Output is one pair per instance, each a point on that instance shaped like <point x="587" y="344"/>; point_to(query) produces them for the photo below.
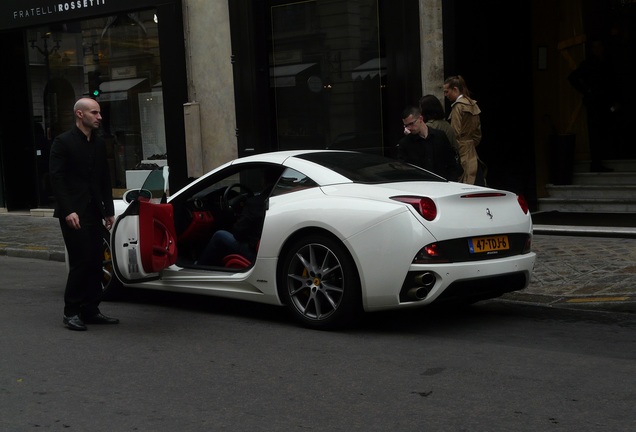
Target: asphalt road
<point x="187" y="363"/>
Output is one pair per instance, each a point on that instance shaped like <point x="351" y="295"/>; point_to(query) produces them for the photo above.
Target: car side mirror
<point x="136" y="194"/>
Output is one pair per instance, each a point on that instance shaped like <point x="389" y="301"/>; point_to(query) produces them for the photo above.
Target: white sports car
<point x="344" y="232"/>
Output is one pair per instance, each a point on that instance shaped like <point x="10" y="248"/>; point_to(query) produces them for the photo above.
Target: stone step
<point x="618" y="165"/>
<point x="595" y="192"/>
<point x="573" y="205"/>
<point x="41" y="212"/>
<point x="592" y="191"/>
<point x="609" y="178"/>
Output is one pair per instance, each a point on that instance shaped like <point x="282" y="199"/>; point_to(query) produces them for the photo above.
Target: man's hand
<point x="109" y="221"/>
<point x="72" y="220"/>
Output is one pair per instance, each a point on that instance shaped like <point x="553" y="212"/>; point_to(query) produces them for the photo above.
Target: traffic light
<point x="94" y="81"/>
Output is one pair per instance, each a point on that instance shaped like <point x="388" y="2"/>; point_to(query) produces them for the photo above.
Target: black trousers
<point x="84" y="246"/>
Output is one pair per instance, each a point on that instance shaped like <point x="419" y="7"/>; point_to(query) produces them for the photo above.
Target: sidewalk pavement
<point x="577" y="267"/>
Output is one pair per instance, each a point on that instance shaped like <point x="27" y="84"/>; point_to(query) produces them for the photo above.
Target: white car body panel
<point x="381" y="234"/>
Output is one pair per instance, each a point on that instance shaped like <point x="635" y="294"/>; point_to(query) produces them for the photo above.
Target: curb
<point x="585" y="231"/>
<point x="591" y="303"/>
<point x="34" y="253"/>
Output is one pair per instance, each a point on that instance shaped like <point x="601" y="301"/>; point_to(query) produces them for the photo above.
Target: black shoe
<point x="98" y="318"/>
<point x="74" y="322"/>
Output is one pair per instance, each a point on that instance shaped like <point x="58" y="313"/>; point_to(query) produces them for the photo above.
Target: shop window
<point x="327" y="74"/>
<point x="114" y="60"/>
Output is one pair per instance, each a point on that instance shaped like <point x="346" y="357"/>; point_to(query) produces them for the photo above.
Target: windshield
<point x="370" y="168"/>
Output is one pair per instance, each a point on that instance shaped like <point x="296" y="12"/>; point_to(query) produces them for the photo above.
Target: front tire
<point x="319" y="283"/>
<point x="111" y="286"/>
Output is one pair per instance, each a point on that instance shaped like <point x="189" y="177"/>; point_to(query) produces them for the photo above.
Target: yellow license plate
<point x="488" y="244"/>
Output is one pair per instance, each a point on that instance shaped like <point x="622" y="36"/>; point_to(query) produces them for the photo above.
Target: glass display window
<point x="116" y="61"/>
<point x="327" y="74"/>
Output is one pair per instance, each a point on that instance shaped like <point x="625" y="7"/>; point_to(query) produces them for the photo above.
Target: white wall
<point x="432" y="47"/>
<point x="210" y="80"/>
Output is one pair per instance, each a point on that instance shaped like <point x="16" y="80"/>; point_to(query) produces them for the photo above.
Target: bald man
<point x="80" y="179"/>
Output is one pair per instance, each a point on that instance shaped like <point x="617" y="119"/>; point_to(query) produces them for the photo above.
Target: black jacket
<point x="80" y="174"/>
<point x="433" y="153"/>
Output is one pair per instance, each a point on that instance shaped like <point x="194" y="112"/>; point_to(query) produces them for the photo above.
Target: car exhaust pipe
<point x="425" y="282"/>
<point x="426" y="279"/>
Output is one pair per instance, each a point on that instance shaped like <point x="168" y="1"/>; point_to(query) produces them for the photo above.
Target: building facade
<point x="195" y="83"/>
<point x="129" y="60"/>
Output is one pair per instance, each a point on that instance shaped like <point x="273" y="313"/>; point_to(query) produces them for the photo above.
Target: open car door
<point x="143" y="241"/>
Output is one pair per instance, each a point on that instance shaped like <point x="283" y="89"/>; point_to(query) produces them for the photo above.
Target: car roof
<point x="280" y="156"/>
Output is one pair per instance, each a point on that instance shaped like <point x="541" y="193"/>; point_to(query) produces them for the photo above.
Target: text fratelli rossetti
<point x="58" y="7"/>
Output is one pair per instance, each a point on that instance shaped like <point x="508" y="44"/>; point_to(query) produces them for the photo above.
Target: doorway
<point x="333" y="74"/>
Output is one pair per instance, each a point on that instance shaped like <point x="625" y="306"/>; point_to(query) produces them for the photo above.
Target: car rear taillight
<point x="527" y="247"/>
<point x="484" y="195"/>
<point x="430" y="254"/>
<point x="424" y="206"/>
<point x="523" y="203"/>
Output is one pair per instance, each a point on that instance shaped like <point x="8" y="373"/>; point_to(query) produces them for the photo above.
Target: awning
<point x="119" y="85"/>
<point x="285" y="75"/>
<point x="370" y="69"/>
<point x="288" y="70"/>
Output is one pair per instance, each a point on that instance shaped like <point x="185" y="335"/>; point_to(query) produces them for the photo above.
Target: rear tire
<point x="319" y="283"/>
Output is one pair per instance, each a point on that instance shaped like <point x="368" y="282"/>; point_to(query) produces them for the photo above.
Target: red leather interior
<point x="157" y="236"/>
<point x="201" y="227"/>
<point x="236" y="261"/>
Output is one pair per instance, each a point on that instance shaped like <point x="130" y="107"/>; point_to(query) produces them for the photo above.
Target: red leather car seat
<point x="238" y="261"/>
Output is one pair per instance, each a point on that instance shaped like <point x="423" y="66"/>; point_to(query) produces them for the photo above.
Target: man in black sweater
<point x="426" y="147"/>
<point x="80" y="179"/>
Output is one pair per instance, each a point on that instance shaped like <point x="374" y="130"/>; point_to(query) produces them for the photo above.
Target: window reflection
<point x="327" y="74"/>
<point x="115" y="60"/>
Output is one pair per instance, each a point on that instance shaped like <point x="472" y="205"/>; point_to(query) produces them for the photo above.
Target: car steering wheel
<point x="229" y="202"/>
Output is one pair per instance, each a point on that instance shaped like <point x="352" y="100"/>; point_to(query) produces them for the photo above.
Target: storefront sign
<point x="28" y="13"/>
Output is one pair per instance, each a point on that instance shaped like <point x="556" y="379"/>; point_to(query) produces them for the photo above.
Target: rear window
<point x="370" y="168"/>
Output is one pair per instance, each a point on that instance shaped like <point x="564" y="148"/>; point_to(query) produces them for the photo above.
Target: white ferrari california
<point x="344" y="233"/>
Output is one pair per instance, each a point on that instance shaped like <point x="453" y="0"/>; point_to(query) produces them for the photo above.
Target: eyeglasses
<point x="406" y="125"/>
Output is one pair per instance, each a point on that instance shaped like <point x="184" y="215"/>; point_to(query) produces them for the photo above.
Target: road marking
<point x="596" y="299"/>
